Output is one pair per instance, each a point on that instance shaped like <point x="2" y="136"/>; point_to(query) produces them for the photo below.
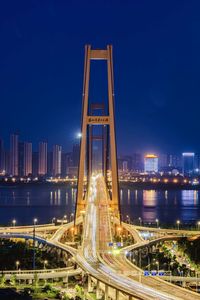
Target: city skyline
<point x="156" y="76"/>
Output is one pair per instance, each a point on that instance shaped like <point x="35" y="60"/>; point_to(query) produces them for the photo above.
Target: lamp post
<point x="34" y="225"/>
<point x="157" y="223"/>
<point x="14" y="222"/>
<point x="140" y="220"/>
<point x="178" y="224"/>
<point x="53" y="220"/>
<point x="71" y="217"/>
<point x="45" y="263"/>
<point x="128" y="219"/>
<point x="17" y="263"/>
<point x="64" y="218"/>
<point x="198" y="225"/>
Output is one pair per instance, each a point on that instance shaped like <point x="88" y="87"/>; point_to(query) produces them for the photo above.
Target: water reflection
<point x="189" y="197"/>
<point x="167" y="205"/>
<point x="149" y="203"/>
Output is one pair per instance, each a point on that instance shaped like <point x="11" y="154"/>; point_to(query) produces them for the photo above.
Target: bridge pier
<point x="106" y="292"/>
<point x="116" y="294"/>
<point x="98" y="291"/>
<point x="90" y="289"/>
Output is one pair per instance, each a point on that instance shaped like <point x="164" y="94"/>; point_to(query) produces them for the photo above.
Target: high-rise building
<point x="21" y="159"/>
<point x="66" y="162"/>
<point x="27" y="159"/>
<point x="125" y="166"/>
<point x="14" y="154"/>
<point x="57" y="151"/>
<point x="75" y="154"/>
<point x="151" y="163"/>
<point x="175" y="161"/>
<point x="42" y="167"/>
<point x="50" y="163"/>
<point x="7" y="162"/>
<point x="188" y="163"/>
<point x="2" y="158"/>
<point x="35" y="162"/>
<point x="137" y="162"/>
<point x="163" y="161"/>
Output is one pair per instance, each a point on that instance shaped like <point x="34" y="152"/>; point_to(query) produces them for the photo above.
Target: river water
<point x="43" y="202"/>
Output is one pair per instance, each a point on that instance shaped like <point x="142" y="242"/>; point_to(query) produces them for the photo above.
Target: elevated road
<point x="102" y="262"/>
<point x="105" y="264"/>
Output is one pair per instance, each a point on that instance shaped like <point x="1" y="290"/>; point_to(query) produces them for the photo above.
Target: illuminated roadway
<point x="105" y="264"/>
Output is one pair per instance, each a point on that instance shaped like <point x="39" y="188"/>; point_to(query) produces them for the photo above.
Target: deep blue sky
<point x="156" y="63"/>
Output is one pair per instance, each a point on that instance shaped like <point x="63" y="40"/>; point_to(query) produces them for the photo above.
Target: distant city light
<point x="151" y="163"/>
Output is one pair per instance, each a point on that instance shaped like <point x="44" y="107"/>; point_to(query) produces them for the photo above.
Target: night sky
<point x="156" y="65"/>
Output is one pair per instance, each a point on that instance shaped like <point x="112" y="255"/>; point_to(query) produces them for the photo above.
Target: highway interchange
<point x="102" y="262"/>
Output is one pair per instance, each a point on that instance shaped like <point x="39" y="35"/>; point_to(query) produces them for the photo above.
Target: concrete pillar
<point x="90" y="289"/>
<point x="106" y="292"/>
<point x="116" y="294"/>
<point x="129" y="297"/>
<point x="65" y="281"/>
<point x="183" y="284"/>
<point x="98" y="291"/>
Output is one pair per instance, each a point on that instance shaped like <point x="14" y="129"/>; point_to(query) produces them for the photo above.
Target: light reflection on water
<point x="44" y="202"/>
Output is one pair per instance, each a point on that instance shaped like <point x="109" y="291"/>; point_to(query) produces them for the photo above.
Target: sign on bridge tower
<point x="100" y="115"/>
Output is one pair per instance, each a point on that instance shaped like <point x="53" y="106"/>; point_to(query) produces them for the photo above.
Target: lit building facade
<point x="2" y="158"/>
<point x="188" y="163"/>
<point x="14" y="149"/>
<point x="151" y="163"/>
<point x="42" y="167"/>
<point x="27" y="159"/>
<point x="57" y="154"/>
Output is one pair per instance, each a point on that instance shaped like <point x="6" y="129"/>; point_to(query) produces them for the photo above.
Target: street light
<point x="140" y="220"/>
<point x="53" y="220"/>
<point x="128" y="219"/>
<point x="71" y="217"/>
<point x="178" y="224"/>
<point x="45" y="263"/>
<point x="158" y="265"/>
<point x="64" y="218"/>
<point x="198" y="225"/>
<point x="157" y="222"/>
<point x="34" y="225"/>
<point x="17" y="263"/>
<point x="14" y="222"/>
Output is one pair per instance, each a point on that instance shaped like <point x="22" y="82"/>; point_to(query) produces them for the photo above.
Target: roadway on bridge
<point x="101" y="262"/>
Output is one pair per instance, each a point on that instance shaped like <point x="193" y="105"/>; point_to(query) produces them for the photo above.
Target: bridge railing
<point x="36" y="271"/>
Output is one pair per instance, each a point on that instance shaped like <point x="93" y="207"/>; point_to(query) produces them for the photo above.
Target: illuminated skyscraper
<point x="14" y="149"/>
<point x="151" y="163"/>
<point x="188" y="163"/>
<point x="35" y="162"/>
<point x="125" y="166"/>
<point x="2" y="158"/>
<point x="27" y="159"/>
<point x="42" y="168"/>
<point x="57" y="151"/>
